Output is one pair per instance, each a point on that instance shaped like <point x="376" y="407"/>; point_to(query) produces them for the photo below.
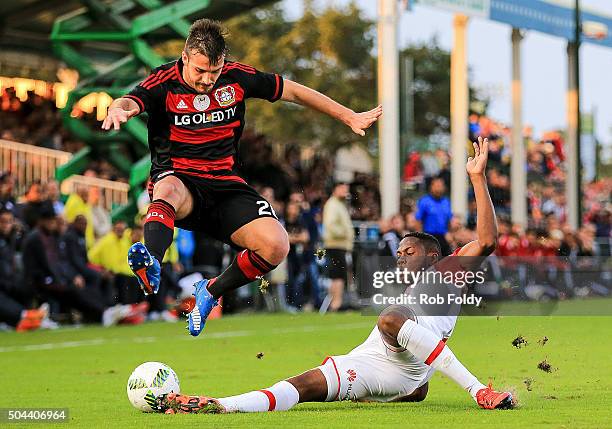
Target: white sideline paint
<point x="213" y="335"/>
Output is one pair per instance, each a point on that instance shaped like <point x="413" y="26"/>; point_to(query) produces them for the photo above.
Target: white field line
<point x="213" y="335"/>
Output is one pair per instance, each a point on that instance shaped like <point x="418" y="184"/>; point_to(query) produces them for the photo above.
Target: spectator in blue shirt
<point x="434" y="213"/>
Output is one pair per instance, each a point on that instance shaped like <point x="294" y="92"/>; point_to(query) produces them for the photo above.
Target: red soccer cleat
<point x="32" y="319"/>
<point x="28" y="324"/>
<point x="489" y="399"/>
<point x="175" y="403"/>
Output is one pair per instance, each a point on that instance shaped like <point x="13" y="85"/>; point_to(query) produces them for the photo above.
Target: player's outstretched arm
<point x="119" y="112"/>
<point x="358" y="122"/>
<point x="486" y="222"/>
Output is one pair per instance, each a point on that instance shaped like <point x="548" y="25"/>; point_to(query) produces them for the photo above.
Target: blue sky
<point x="544" y="64"/>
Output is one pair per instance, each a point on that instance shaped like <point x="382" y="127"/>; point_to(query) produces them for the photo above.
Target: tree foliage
<point x="331" y="50"/>
<point x="328" y="50"/>
<point x="431" y="88"/>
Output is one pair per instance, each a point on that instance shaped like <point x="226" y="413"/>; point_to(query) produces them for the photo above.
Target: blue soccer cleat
<point x="145" y="267"/>
<point x="203" y="306"/>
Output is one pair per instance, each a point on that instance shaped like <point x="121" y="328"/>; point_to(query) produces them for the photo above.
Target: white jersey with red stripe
<point x="441" y="326"/>
<point x="376" y="371"/>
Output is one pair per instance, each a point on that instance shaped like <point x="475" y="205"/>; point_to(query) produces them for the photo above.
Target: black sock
<point x="246" y="267"/>
<point x="159" y="228"/>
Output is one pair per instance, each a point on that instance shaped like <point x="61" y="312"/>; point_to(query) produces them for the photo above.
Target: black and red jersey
<point x="194" y="133"/>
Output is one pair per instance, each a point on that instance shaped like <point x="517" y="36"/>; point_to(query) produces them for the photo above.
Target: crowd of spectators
<point x="545" y="169"/>
<point x="35" y="121"/>
<point x="65" y="259"/>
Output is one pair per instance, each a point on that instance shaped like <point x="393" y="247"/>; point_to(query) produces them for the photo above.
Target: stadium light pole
<point x="388" y="95"/>
<point x="574" y="170"/>
<point x="459" y="117"/>
<point x="518" y="189"/>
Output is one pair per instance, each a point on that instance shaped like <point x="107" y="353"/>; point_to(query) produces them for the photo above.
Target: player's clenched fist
<point x="117" y="116"/>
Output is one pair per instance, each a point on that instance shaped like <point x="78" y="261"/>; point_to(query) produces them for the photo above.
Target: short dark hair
<point x="429" y="241"/>
<point x="435" y="179"/>
<point x="47" y="211"/>
<point x="207" y="37"/>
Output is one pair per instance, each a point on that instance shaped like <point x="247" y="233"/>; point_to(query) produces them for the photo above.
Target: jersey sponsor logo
<point x="181" y="105"/>
<point x="352" y="375"/>
<point x="201" y="102"/>
<point x="225" y="96"/>
<point x="205" y="118"/>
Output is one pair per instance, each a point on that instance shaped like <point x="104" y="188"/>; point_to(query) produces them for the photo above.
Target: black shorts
<point x="336" y="263"/>
<point x="220" y="207"/>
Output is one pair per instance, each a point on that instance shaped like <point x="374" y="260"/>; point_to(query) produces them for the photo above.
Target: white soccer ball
<point x="148" y="381"/>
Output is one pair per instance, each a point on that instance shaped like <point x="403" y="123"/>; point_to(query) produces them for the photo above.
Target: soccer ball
<point x="148" y="381"/>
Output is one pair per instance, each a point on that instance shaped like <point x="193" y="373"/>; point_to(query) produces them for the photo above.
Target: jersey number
<point x="266" y="209"/>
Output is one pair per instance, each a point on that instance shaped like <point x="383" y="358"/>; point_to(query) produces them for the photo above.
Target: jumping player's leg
<point x="171" y="201"/>
<point x="309" y="386"/>
<point x="398" y="328"/>
<point x="266" y="244"/>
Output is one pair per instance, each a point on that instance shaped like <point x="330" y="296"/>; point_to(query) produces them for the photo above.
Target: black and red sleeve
<point x="146" y="93"/>
<point x="257" y="84"/>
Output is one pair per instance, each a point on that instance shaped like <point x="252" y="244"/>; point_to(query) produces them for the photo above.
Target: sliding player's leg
<point x="309" y="386"/>
<point x="399" y="328"/>
<point x="366" y="375"/>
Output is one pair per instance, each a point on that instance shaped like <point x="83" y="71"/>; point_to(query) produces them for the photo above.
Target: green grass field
<point x="86" y="370"/>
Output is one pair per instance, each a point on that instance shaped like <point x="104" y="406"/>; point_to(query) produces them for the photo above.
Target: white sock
<point x="251" y="402"/>
<point x="424" y="344"/>
<point x="280" y="397"/>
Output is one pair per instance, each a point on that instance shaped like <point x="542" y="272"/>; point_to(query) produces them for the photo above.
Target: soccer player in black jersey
<point x="196" y="108"/>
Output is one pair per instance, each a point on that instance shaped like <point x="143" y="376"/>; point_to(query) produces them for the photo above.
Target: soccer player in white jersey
<point x="397" y="360"/>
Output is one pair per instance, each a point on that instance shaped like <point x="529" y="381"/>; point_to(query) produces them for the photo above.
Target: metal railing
<point x="112" y="194"/>
<point x="30" y="163"/>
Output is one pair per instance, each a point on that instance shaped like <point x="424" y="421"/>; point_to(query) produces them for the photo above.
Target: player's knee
<point x="392" y="319"/>
<point x="275" y="249"/>
<point x="170" y="191"/>
<point x="280" y="250"/>
<point x="390" y="324"/>
<point x="311" y="385"/>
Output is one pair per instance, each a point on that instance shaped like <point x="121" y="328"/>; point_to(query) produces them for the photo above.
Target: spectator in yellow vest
<point x="77" y="204"/>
